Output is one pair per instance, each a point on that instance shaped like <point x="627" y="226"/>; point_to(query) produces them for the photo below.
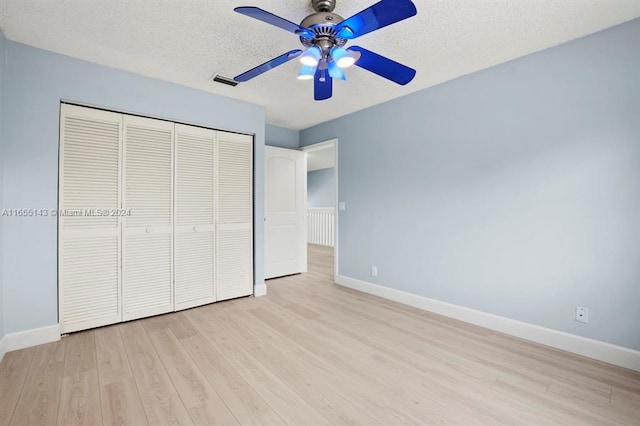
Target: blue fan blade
<point x="381" y="14"/>
<point x="384" y="67"/>
<point x="270" y="18"/>
<point x="269" y="65"/>
<point x="322" y="85"/>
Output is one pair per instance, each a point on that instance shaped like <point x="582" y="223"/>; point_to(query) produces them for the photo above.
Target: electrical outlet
<point x="342" y="206"/>
<point x="582" y="314"/>
<point x="374" y="271"/>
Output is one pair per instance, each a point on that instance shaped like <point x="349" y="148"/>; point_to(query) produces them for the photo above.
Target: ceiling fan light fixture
<point x="306" y="72"/>
<point x="342" y="58"/>
<point x="324" y="34"/>
<point x="311" y="56"/>
<point x="335" y="71"/>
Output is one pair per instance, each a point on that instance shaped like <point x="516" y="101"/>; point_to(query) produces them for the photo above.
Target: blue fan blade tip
<point x="242" y="9"/>
<point x="241" y="78"/>
<point x="413" y="75"/>
<point x="413" y="8"/>
<point x="322" y="85"/>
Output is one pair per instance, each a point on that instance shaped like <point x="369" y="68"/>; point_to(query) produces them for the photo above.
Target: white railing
<point x="321" y="224"/>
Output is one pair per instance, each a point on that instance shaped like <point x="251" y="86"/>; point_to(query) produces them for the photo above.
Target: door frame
<point x="316" y="147"/>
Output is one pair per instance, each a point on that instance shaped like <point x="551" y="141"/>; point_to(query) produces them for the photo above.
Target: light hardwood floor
<point x="308" y="353"/>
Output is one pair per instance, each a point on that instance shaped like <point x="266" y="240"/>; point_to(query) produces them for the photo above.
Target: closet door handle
<point x="149" y="230"/>
<point x="196" y="228"/>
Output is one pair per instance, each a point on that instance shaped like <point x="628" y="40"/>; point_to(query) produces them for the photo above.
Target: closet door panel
<point x="235" y="261"/>
<point x="89" y="231"/>
<point x="147" y="288"/>
<point x="147" y="267"/>
<point x="234" y="216"/>
<point x="235" y="178"/>
<point x="194" y="217"/>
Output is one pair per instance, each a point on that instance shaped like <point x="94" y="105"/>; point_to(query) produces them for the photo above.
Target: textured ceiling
<point x="187" y="41"/>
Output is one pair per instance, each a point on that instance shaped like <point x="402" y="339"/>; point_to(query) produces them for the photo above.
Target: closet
<point x="154" y="217"/>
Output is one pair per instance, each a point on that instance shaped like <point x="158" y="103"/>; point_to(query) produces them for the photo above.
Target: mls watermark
<point x="27" y="212"/>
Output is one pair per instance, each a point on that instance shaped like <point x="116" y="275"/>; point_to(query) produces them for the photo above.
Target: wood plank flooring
<point x="308" y="353"/>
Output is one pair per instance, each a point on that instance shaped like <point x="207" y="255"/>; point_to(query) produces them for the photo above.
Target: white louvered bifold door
<point x="89" y="229"/>
<point x="234" y="212"/>
<point x="147" y="263"/>
<point x="194" y="248"/>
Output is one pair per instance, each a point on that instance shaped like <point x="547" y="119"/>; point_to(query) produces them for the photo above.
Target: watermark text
<point x="33" y="212"/>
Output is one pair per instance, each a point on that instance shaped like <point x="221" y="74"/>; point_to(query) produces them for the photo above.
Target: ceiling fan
<point x="324" y="35"/>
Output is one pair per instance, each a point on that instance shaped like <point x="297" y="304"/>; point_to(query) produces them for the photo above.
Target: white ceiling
<point x="187" y="41"/>
<point x="321" y="159"/>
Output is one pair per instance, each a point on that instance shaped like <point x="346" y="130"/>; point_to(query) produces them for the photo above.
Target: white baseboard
<point x="28" y="338"/>
<point x="606" y="352"/>
<point x="260" y="290"/>
<point x="2" y="348"/>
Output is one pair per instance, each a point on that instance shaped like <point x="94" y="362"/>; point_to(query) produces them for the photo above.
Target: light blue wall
<point x="321" y="190"/>
<point x="3" y="45"/>
<point x="514" y="190"/>
<point x="284" y="138"/>
<point x="36" y="81"/>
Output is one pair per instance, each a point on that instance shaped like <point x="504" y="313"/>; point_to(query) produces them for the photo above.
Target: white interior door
<point x="147" y="262"/>
<point x="285" y="227"/>
<point x="194" y="249"/>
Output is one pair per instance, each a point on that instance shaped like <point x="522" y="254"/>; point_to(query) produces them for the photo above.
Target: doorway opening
<point x="322" y="201"/>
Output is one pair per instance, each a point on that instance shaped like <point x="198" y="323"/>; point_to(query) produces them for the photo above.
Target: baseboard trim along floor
<point x="260" y="290"/>
<point x="601" y="351"/>
<point x="3" y="350"/>
<point x="25" y="339"/>
<point x="39" y="336"/>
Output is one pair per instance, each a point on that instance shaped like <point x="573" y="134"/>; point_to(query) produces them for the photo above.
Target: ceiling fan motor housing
<point x="323" y="25"/>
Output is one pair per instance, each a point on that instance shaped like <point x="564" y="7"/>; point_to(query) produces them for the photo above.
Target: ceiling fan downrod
<point x="323" y="5"/>
<point x="322" y="23"/>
